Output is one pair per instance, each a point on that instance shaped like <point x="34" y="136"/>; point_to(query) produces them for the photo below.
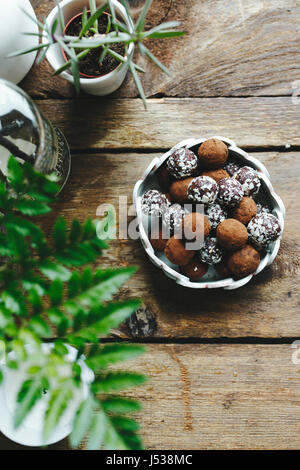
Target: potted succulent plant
<point x="91" y="43"/>
<point x="49" y="387"/>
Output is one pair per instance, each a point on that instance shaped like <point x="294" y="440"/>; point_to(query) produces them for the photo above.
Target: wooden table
<point x="220" y="362"/>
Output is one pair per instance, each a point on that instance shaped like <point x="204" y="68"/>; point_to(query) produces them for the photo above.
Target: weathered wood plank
<point x="216" y="397"/>
<point x="267" y="307"/>
<point x="117" y="124"/>
<point x="240" y="48"/>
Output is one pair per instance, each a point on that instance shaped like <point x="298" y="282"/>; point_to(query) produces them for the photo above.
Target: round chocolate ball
<point x="245" y="210"/>
<point x="249" y="180"/>
<point x="176" y="252"/>
<point x="263" y="229"/>
<point x="202" y="190"/>
<point x="195" y="225"/>
<point x="182" y="163"/>
<point x="232" y="234"/>
<point x="262" y="208"/>
<point x="194" y="270"/>
<point x="231" y="168"/>
<point x="159" y="243"/>
<point x="216" y="175"/>
<point x="154" y="203"/>
<point x="212" y="153"/>
<point x="243" y="262"/>
<point x="178" y="190"/>
<point x="230" y="192"/>
<point x="215" y="214"/>
<point x="172" y="217"/>
<point x="211" y="252"/>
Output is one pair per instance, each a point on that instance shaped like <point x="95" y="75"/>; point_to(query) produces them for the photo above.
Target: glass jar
<point x="29" y="136"/>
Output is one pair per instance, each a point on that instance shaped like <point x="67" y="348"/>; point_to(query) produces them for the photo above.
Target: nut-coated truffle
<point x="212" y="153"/>
<point x="202" y="190"/>
<point x="211" y="252"/>
<point x="182" y="163"/>
<point x="262" y="208"/>
<point x="249" y="180"/>
<point x="232" y="234"/>
<point x="194" y="270"/>
<point x="243" y="262"/>
<point x="159" y="243"/>
<point x="178" y="190"/>
<point x="176" y="252"/>
<point x="263" y="229"/>
<point x="230" y="192"/>
<point x="215" y="214"/>
<point x="195" y="225"/>
<point x="154" y="203"/>
<point x="217" y="175"/>
<point x="172" y="217"/>
<point x="245" y="210"/>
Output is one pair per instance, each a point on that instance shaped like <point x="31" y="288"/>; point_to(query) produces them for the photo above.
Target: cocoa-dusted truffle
<point x="212" y="153"/>
<point x="154" y="203"/>
<point x="195" y="225"/>
<point x="230" y="192"/>
<point x="231" y="167"/>
<point x="243" y="262"/>
<point x="178" y="190"/>
<point x="216" y="175"/>
<point x="211" y="252"/>
<point x="262" y="208"/>
<point x="164" y="178"/>
<point x="158" y="243"/>
<point x="202" y="190"/>
<point x="176" y="253"/>
<point x="215" y="214"/>
<point x="245" y="210"/>
<point x="182" y="163"/>
<point x="232" y="234"/>
<point x="263" y="229"/>
<point x="172" y="217"/>
<point x="195" y="269"/>
<point x="249" y="180"/>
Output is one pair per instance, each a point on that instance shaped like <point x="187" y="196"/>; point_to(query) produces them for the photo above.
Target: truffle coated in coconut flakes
<point x="211" y="252"/>
<point x="230" y="192"/>
<point x="263" y="229"/>
<point x="154" y="203"/>
<point x="249" y="180"/>
<point x="215" y="214"/>
<point x="202" y="190"/>
<point x="182" y="163"/>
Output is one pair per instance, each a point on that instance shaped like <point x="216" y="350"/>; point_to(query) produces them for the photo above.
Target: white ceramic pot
<point x="14" y="23"/>
<point x="30" y="432"/>
<point x="105" y="84"/>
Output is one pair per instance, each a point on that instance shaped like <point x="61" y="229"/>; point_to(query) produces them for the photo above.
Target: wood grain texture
<point x="216" y="397"/>
<point x="267" y="307"/>
<point x="232" y="48"/>
<point x="124" y="124"/>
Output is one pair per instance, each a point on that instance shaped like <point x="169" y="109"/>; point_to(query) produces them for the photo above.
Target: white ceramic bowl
<point x="100" y="86"/>
<point x="211" y="279"/>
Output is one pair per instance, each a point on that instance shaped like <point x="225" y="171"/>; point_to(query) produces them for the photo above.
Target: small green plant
<point x="47" y="294"/>
<point x="88" y="38"/>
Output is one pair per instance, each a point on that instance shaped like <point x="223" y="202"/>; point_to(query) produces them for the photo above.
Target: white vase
<point x="31" y="430"/>
<point x="105" y="84"/>
<point x="14" y="23"/>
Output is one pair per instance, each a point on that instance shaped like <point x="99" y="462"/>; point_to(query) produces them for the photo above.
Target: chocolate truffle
<point x="195" y="269"/>
<point x="263" y="229"/>
<point x="178" y="190"/>
<point x="232" y="234"/>
<point x="195" y="225"/>
<point x="212" y="153"/>
<point x="262" y="208"/>
<point x="215" y="214"/>
<point x="245" y="210"/>
<point x="222" y="269"/>
<point x="202" y="190"/>
<point x="230" y="192"/>
<point x="243" y="262"/>
<point x="231" y="168"/>
<point x="211" y="252"/>
<point x="172" y="217"/>
<point x="158" y="243"/>
<point x="182" y="163"/>
<point x="164" y="178"/>
<point x="176" y="253"/>
<point x="217" y="175"/>
<point x="249" y="180"/>
<point x="154" y="203"/>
